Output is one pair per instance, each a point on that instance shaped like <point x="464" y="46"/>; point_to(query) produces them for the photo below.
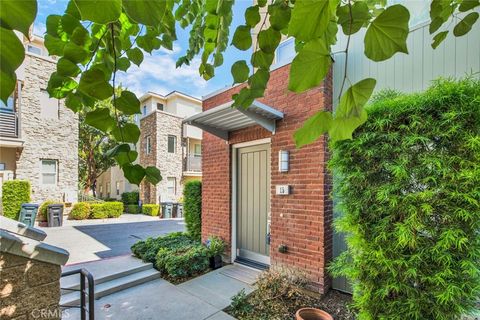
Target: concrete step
<point x="114" y="285"/>
<point x="73" y="282"/>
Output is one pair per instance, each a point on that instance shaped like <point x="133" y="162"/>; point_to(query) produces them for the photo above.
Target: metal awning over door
<point x="223" y="119"/>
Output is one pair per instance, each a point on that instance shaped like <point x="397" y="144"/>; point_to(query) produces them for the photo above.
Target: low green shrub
<point x="176" y="255"/>
<point x="14" y="193"/>
<point x="183" y="262"/>
<point x="114" y="209"/>
<point x="80" y="211"/>
<point x="151" y="209"/>
<point x="98" y="211"/>
<point x="130" y="197"/>
<point x="132" y="208"/>
<point x="192" y="194"/>
<point x="43" y="210"/>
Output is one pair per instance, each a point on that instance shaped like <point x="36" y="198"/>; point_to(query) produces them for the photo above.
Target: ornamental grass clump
<point x="409" y="189"/>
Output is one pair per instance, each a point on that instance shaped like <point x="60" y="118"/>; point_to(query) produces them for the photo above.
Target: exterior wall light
<point x="283" y="160"/>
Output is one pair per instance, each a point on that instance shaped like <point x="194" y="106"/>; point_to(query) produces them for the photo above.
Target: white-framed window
<point x="117" y="188"/>
<point x="172" y="185"/>
<point x="49" y="107"/>
<point x="148" y="145"/>
<point x="197" y="150"/>
<point x="144" y="110"/>
<point x="49" y="171"/>
<point x="160" y="106"/>
<point x="172" y="144"/>
<point x="285" y="52"/>
<point x="108" y="190"/>
<point x="34" y="49"/>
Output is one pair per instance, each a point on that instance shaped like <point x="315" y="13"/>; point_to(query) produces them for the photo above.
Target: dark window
<point x="172" y="144"/>
<point x="144" y="110"/>
<point x="160" y="106"/>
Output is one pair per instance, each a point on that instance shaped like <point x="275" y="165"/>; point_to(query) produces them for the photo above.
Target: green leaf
<point x="101" y="119"/>
<point x="240" y="71"/>
<point x="261" y="59"/>
<point x="128" y="133"/>
<point x="122" y="154"/>
<point x="93" y="83"/>
<point x="387" y="34"/>
<point x="8" y="80"/>
<point x="69" y="23"/>
<point x="242" y="39"/>
<point x="468" y="5"/>
<point x="146" y="12"/>
<point x="81" y="37"/>
<point x="54" y="45"/>
<point x="313" y="128"/>
<point x="67" y="68"/>
<point x="354" y="21"/>
<point x="59" y="86"/>
<point x="128" y="103"/>
<point x="440" y="11"/>
<point x="73" y="102"/>
<point x="53" y="24"/>
<point x="243" y="99"/>
<point x="354" y="99"/>
<point x="439" y="37"/>
<point x="12" y="54"/>
<point x="280" y="14"/>
<point x="252" y="16"/>
<point x="152" y="174"/>
<point x="259" y="79"/>
<point x="310" y="18"/>
<point x="123" y="64"/>
<point x="268" y="40"/>
<point x="464" y="26"/>
<point x="343" y="128"/>
<point x="209" y="71"/>
<point x="135" y="55"/>
<point x="74" y="53"/>
<point x="133" y="173"/>
<point x="18" y="15"/>
<point x="100" y="11"/>
<point x="310" y="66"/>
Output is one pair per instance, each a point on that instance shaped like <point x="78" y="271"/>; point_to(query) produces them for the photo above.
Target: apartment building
<point x="38" y="135"/>
<point x="166" y="143"/>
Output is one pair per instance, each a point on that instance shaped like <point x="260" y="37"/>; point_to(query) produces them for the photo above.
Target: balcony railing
<point x="8" y="124"/>
<point x="193" y="163"/>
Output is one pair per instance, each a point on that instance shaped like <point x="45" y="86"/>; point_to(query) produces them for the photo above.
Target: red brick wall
<point x="301" y="220"/>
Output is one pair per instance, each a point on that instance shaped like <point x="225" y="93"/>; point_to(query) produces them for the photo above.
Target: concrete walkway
<point x="89" y="240"/>
<point x="198" y="299"/>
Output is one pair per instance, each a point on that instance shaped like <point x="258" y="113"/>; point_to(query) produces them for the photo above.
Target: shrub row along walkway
<point x="88" y="240"/>
<point x="201" y="298"/>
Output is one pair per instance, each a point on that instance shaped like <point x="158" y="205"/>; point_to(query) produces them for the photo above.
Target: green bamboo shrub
<point x="409" y="191"/>
<point x="192" y="194"/>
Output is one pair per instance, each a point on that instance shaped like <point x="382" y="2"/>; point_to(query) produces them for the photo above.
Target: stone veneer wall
<point x="55" y="139"/>
<point x="29" y="289"/>
<point x="301" y="220"/>
<point x="159" y="125"/>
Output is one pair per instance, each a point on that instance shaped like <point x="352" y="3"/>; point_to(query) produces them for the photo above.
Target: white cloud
<point x="158" y="73"/>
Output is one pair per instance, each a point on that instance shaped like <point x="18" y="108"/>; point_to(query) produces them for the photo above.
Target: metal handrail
<point x="84" y="274"/>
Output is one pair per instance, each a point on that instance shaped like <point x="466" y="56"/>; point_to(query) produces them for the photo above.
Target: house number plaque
<point x="283" y="189"/>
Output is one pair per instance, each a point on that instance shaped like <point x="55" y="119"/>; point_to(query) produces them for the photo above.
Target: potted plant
<point x="312" y="314"/>
<point x="215" y="246"/>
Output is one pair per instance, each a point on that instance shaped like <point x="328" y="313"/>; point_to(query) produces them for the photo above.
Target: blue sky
<point x="157" y="72"/>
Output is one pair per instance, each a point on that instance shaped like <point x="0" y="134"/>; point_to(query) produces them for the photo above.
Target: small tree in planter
<point x="410" y="194"/>
<point x="216" y="247"/>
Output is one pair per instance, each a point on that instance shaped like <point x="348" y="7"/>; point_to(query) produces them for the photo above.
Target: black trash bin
<point x="167" y="210"/>
<point x="55" y="215"/>
<point x="28" y="214"/>
<point x="174" y="210"/>
<point x="180" y="210"/>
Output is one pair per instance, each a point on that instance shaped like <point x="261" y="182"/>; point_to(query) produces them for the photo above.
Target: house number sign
<point x="283" y="189"/>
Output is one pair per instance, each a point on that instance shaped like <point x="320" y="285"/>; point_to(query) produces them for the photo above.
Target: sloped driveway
<point x="90" y="240"/>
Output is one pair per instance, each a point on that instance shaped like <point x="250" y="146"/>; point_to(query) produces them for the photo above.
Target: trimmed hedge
<point x="14" y="194"/>
<point x="192" y="194"/>
<point x="130" y="197"/>
<point x="80" y="211"/>
<point x="106" y="210"/>
<point x="151" y="209"/>
<point x="132" y="208"/>
<point x="410" y="195"/>
<point x="176" y="255"/>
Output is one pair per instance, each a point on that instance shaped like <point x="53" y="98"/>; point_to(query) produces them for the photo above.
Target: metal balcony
<point x="193" y="163"/>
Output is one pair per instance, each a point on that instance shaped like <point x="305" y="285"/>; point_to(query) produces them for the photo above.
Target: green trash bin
<point x="28" y="214"/>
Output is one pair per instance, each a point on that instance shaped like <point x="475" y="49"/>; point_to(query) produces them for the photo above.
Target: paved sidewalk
<point x="201" y="298"/>
<point x="89" y="240"/>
